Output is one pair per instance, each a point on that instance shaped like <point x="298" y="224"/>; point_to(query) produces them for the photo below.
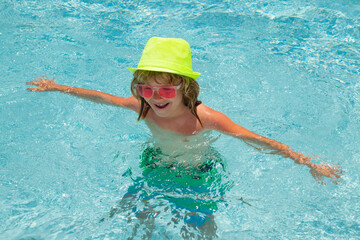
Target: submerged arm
<point x="45" y="85"/>
<point x="220" y="122"/>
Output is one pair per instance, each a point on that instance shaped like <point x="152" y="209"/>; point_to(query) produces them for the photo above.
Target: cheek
<point x="179" y="98"/>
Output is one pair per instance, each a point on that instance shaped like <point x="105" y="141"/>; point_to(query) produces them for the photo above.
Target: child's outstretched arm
<point x="220" y="122"/>
<point x="44" y="85"/>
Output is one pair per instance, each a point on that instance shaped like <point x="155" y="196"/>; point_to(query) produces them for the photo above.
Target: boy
<point x="165" y="96"/>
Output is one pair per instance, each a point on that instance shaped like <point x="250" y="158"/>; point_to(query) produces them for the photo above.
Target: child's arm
<point x="44" y="85"/>
<point x="220" y="122"/>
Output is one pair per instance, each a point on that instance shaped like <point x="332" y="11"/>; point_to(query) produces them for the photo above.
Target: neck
<point x="184" y="122"/>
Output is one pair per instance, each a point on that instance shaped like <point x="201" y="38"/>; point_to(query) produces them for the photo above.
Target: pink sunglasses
<point x="147" y="92"/>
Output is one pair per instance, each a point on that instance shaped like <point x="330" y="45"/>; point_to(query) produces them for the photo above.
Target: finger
<point x="40" y="79"/>
<point x="36" y="89"/>
<point x="30" y="83"/>
<point x="35" y="82"/>
<point x="316" y="176"/>
<point x="336" y="172"/>
<point x="321" y="179"/>
<point x="32" y="89"/>
<point x="44" y="80"/>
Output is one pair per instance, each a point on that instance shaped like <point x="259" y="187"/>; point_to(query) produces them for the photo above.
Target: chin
<point x="162" y="114"/>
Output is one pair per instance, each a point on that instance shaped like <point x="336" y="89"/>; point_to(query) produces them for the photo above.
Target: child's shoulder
<point x="218" y="121"/>
<point x="206" y="111"/>
<point x="210" y="117"/>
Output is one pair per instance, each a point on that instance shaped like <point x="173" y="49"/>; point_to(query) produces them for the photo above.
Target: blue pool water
<point x="288" y="70"/>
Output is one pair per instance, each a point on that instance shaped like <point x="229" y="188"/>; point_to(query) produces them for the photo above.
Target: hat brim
<point x="193" y="75"/>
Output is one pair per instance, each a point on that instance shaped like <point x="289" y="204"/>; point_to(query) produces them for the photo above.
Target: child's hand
<point x="319" y="171"/>
<point x="43" y="84"/>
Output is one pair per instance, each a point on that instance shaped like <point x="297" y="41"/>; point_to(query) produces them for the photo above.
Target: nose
<point x="156" y="95"/>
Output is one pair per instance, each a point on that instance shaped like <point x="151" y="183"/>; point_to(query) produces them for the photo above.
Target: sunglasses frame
<point x="157" y="89"/>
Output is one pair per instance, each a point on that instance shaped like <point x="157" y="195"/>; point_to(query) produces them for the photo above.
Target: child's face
<point x="165" y="107"/>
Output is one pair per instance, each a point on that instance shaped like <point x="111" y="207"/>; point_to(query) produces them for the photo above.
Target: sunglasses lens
<point x="167" y="92"/>
<point x="145" y="91"/>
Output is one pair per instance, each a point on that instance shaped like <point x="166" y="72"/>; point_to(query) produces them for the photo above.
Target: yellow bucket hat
<point x="172" y="55"/>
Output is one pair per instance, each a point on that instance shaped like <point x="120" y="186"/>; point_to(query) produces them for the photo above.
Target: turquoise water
<point x="288" y="70"/>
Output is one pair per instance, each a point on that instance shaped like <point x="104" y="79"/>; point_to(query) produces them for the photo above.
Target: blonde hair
<point x="189" y="88"/>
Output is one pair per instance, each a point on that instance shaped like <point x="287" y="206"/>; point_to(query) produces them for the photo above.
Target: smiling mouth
<point x="161" y="106"/>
